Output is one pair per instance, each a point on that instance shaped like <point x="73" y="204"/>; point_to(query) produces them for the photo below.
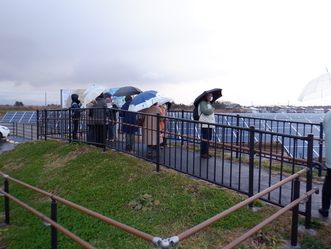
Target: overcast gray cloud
<point x="252" y="50"/>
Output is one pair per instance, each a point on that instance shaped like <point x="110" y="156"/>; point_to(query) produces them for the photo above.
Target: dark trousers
<point x="75" y="129"/>
<point x="100" y="134"/>
<point x="206" y="133"/>
<point x="326" y="191"/>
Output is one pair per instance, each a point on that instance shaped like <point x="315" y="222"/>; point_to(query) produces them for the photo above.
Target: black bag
<point x="196" y="115"/>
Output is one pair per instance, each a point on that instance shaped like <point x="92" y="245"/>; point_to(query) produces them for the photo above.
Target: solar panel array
<point x="20" y="117"/>
<point x="267" y="123"/>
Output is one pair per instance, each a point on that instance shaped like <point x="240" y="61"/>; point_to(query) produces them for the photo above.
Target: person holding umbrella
<point x="129" y="126"/>
<point x="112" y="116"/>
<point x="206" y="116"/>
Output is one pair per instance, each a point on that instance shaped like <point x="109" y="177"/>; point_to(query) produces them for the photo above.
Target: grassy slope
<point x="112" y="184"/>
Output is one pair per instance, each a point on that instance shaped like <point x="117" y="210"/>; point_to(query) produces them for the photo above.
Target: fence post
<point x="6" y="188"/>
<point x="309" y="182"/>
<point x="182" y="130"/>
<point x="45" y="124"/>
<point x="37" y="124"/>
<point x="53" y="229"/>
<point x="70" y="131"/>
<point x="105" y="129"/>
<point x="158" y="142"/>
<point x="237" y="136"/>
<point x="320" y="157"/>
<point x="295" y="213"/>
<point x="251" y="163"/>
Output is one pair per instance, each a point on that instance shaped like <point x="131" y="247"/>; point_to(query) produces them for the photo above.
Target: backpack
<point x="196" y="114"/>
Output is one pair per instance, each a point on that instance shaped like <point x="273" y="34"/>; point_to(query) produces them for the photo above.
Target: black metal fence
<point x="244" y="159"/>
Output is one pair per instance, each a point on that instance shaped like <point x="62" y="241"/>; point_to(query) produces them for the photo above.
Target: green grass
<point x="120" y="187"/>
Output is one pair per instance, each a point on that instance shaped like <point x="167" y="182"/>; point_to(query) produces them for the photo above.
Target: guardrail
<point x="157" y="241"/>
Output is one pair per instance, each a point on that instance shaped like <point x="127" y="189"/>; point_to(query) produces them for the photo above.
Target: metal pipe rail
<point x="270" y="219"/>
<point x="50" y="221"/>
<point x="225" y="213"/>
<point x="103" y="218"/>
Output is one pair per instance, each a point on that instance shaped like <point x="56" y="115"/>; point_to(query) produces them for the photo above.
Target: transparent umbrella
<point x="80" y="93"/>
<point x="317" y="88"/>
<point x="92" y="92"/>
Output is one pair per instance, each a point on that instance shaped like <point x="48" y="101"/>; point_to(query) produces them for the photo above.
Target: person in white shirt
<point x="207" y="116"/>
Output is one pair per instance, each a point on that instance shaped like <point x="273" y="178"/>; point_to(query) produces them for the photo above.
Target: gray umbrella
<point x="127" y="90"/>
<point x="217" y="93"/>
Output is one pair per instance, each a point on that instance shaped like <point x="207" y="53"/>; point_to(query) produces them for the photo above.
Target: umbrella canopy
<point x="127" y="90"/>
<point x="165" y="100"/>
<point x="319" y="87"/>
<point x="92" y="92"/>
<point x="217" y="93"/>
<point x="79" y="92"/>
<point x="144" y="100"/>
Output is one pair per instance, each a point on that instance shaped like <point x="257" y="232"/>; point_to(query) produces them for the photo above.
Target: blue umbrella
<point x="144" y="100"/>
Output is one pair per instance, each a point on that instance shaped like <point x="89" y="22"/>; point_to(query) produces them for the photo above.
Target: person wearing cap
<point x="111" y="116"/>
<point x="129" y="126"/>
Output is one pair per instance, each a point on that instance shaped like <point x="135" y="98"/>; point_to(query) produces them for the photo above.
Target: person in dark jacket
<point x="99" y="116"/>
<point x="75" y="106"/>
<point x="129" y="126"/>
<point x="112" y="119"/>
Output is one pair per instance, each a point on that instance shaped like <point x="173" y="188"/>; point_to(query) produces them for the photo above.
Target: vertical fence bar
<point x="237" y="135"/>
<point x="157" y="142"/>
<point x="309" y="183"/>
<point x="45" y="123"/>
<point x="295" y="213"/>
<point x="7" y="215"/>
<point x="70" y="131"/>
<point x="251" y="163"/>
<point x="53" y="229"/>
<point x="320" y="143"/>
<point x="37" y="124"/>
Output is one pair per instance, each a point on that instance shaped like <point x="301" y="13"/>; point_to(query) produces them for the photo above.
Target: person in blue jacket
<point x="129" y="126"/>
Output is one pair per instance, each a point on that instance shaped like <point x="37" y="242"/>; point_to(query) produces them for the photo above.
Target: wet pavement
<point x="10" y="142"/>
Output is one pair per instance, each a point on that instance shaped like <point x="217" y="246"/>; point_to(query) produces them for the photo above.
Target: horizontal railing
<point x="157" y="241"/>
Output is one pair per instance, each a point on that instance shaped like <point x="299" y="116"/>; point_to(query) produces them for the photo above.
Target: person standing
<point x="163" y="108"/>
<point x="99" y="116"/>
<point x="207" y="116"/>
<point x="112" y="117"/>
<point x="129" y="126"/>
<point x="326" y="189"/>
<point x="75" y="106"/>
<point x="150" y="123"/>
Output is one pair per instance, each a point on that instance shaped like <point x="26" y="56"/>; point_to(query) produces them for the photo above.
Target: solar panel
<point x="20" y="117"/>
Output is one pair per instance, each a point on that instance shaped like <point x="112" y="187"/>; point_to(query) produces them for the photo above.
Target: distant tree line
<point x="217" y="105"/>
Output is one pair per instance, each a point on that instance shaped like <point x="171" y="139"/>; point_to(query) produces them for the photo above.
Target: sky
<point x="259" y="52"/>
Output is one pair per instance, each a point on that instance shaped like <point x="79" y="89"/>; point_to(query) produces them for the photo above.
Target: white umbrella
<point x="164" y="100"/>
<point x="79" y="92"/>
<point x="317" y="88"/>
<point x="92" y="92"/>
